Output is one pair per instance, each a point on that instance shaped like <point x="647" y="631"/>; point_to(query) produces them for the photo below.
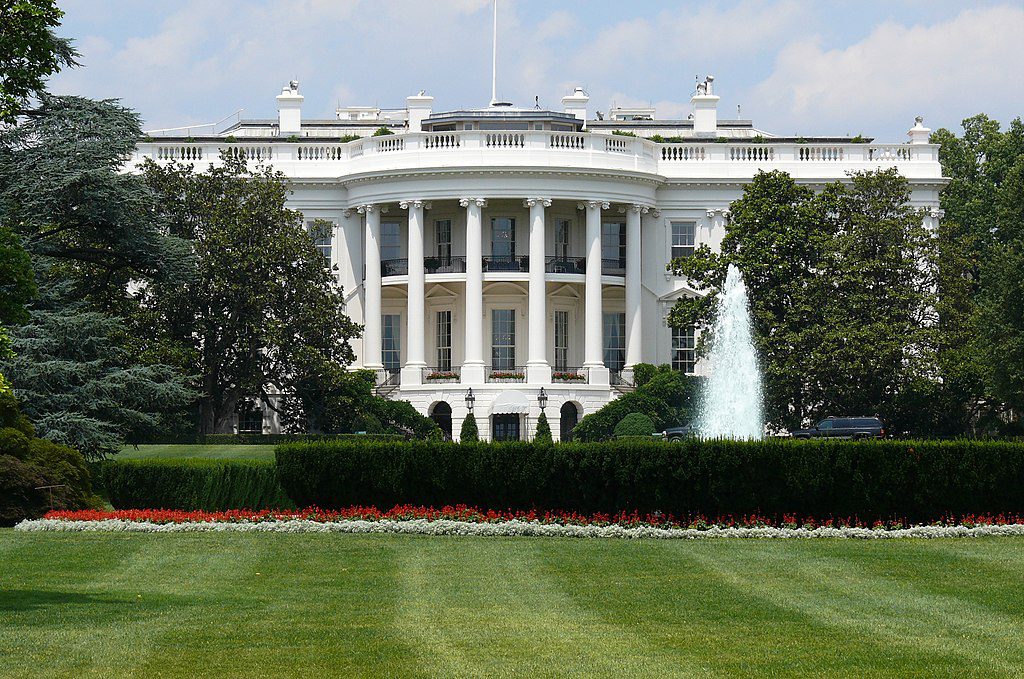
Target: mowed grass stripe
<point x="345" y="605"/>
<point x="198" y="450"/>
<point x="487" y="608"/>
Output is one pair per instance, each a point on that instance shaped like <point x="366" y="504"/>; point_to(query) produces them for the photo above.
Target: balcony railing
<point x="394" y="267"/>
<point x="570" y="375"/>
<point x="441" y="375"/>
<point x="507" y="263"/>
<point x="619" y="378"/>
<point x="513" y="374"/>
<point x="613" y="267"/>
<point x="566" y="265"/>
<point x="444" y="264"/>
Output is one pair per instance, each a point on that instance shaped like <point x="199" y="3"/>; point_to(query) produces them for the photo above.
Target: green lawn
<point x="337" y="605"/>
<point x="212" y="452"/>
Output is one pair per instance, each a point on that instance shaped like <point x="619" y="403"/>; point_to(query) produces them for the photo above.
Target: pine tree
<point x="469" y="432"/>
<point x="543" y="433"/>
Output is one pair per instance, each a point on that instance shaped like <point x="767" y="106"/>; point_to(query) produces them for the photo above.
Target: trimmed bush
<point x="667" y="397"/>
<point x="469" y="432"/>
<point x="634" y="424"/>
<point x="188" y="483"/>
<point x="869" y="479"/>
<point x="543" y="433"/>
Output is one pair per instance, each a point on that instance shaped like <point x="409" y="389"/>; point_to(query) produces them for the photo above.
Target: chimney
<point x="289" y="109"/>
<point x="705" y="109"/>
<point x="576" y="103"/>
<point x="419" y="107"/>
<point x="919" y="134"/>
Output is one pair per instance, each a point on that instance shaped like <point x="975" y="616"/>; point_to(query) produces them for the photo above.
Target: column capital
<point x="639" y="208"/>
<point x="371" y="207"/>
<point x="936" y="213"/>
<point x="416" y="204"/>
<point x="593" y="204"/>
<point x="349" y="211"/>
<point x="479" y="202"/>
<point x="530" y="202"/>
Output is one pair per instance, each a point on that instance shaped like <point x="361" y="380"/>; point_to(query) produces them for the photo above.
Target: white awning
<point x="510" y="403"/>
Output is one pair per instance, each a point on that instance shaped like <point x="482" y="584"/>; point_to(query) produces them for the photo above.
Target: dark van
<point x="843" y="428"/>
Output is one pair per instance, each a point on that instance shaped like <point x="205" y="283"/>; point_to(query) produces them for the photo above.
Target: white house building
<point x="508" y="254"/>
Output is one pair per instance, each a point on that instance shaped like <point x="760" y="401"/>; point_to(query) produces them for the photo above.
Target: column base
<point x="538" y="373"/>
<point x="472" y="373"/>
<point x="599" y="375"/>
<point x="412" y="375"/>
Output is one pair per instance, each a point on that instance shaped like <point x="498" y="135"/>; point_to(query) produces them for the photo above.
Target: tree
<point x="543" y="433"/>
<point x="841" y="285"/>
<point x="469" y="432"/>
<point x="999" y="322"/>
<point x="81" y="385"/>
<point x="262" y="313"/>
<point x="17" y="282"/>
<point x="30" y="52"/>
<point x="668" y="398"/>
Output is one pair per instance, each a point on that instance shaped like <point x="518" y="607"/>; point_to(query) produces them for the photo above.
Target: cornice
<point x="384" y="175"/>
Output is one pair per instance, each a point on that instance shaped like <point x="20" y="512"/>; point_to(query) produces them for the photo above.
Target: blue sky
<point x="795" y="67"/>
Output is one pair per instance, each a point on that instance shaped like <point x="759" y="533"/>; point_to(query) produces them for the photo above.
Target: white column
<point x="593" y="358"/>
<point x="473" y="363"/>
<point x="415" y="353"/>
<point x="634" y="334"/>
<point x="538" y="370"/>
<point x="372" y="342"/>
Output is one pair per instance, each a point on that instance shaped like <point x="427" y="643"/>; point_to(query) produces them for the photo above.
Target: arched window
<point x="569" y="415"/>
<point x="442" y="414"/>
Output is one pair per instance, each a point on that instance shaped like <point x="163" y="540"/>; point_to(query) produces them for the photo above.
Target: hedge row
<point x="871" y="479"/>
<point x="270" y="439"/>
<point x="192" y="484"/>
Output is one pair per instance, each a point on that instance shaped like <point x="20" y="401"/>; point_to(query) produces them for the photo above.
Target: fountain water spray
<point x="730" y="405"/>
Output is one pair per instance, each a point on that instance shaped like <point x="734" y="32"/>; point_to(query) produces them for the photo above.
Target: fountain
<point x="730" y="405"/>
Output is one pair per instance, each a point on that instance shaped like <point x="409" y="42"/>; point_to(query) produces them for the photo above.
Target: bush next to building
<point x="192" y="484"/>
<point x="664" y="395"/>
<point x="871" y="479"/>
<point x="634" y="424"/>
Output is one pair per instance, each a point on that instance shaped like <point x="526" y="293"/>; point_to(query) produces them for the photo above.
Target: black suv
<point x="677" y="434"/>
<point x="843" y="428"/>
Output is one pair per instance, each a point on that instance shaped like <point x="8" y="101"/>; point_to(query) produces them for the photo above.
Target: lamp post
<point x="470" y="400"/>
<point x="542" y="399"/>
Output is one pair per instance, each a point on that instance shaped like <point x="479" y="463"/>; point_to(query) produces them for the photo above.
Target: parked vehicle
<point x="843" y="428"/>
<point x="677" y="434"/>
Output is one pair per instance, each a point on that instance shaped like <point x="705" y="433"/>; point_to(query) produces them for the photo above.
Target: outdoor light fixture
<point x="542" y="399"/>
<point x="470" y="399"/>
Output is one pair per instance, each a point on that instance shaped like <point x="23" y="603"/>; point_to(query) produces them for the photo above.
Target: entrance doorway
<point x="569" y="415"/>
<point x="505" y="427"/>
<point x="442" y="414"/>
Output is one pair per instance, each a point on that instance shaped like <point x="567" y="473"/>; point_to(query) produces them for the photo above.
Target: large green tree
<point x="262" y="313"/>
<point x="30" y="52"/>
<point x="982" y="345"/>
<point x="841" y="284"/>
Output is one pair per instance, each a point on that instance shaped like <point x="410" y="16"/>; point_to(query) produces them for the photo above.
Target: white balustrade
<point x="320" y="152"/>
<point x="390" y="143"/>
<point x="239" y="152"/>
<point x="441" y="140"/>
<point x="819" y="153"/>
<point x="675" y="152"/>
<point x="567" y="140"/>
<point x="504" y="140"/>
<point x="616" y="145"/>
<point x="902" y="152"/>
<point x="758" y="153"/>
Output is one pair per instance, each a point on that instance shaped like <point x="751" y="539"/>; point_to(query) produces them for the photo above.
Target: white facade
<point x="508" y="251"/>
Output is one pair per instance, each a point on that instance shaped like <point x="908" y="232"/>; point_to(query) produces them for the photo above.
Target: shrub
<point x="667" y="397"/>
<point x="345" y="138"/>
<point x="381" y="132"/>
<point x="868" y="479"/>
<point x="543" y="433"/>
<point x="643" y="372"/>
<point x="193" y="484"/>
<point x="634" y="424"/>
<point x="469" y="432"/>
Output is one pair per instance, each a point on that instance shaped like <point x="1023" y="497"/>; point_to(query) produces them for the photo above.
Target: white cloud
<point x="968" y="64"/>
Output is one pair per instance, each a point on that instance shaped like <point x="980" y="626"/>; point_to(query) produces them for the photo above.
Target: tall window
<point x="391" y="349"/>
<point x="683" y="239"/>
<point x="503" y="237"/>
<point x="561" y="340"/>
<point x="615" y="340"/>
<point x="443" y="234"/>
<point x="250" y="417"/>
<point x="390" y="240"/>
<point x="613" y="242"/>
<point x="322" y="232"/>
<point x="503" y="339"/>
<point x="562" y="228"/>
<point x="444" y="340"/>
<point x="684" y="356"/>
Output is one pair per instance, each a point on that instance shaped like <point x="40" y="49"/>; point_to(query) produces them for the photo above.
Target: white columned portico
<point x="415" y="353"/>
<point x="593" y="360"/>
<point x="473" y="363"/>
<point x="634" y="327"/>
<point x="372" y="342"/>
<point x="538" y="370"/>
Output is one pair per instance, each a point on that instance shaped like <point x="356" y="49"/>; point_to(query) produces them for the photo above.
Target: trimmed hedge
<point x="869" y="479"/>
<point x="189" y="483"/>
<point x="271" y="439"/>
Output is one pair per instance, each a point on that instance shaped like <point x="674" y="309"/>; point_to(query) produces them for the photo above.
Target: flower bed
<point x="463" y="520"/>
